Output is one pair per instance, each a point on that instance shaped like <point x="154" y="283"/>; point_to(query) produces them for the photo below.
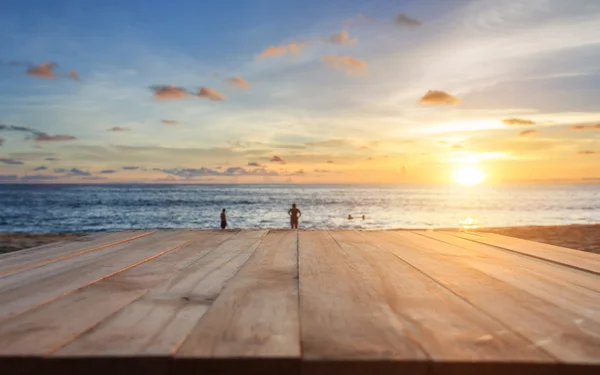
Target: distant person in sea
<point x="294" y="216"/>
<point x="363" y="217"/>
<point x="223" y="219"/>
<point x="350" y="217"/>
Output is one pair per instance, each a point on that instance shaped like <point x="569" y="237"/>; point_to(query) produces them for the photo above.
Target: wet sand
<point x="580" y="237"/>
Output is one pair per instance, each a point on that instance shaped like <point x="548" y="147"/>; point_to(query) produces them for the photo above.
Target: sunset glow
<point x="468" y="175"/>
<point x="327" y="92"/>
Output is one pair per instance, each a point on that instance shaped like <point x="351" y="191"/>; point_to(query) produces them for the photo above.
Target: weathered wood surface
<point x="299" y="302"/>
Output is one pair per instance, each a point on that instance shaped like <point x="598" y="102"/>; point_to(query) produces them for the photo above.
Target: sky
<point x="299" y="91"/>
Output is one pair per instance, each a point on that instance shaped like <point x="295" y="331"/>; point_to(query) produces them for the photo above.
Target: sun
<point x="468" y="175"/>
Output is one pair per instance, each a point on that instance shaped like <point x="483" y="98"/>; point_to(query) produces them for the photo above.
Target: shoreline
<point x="584" y="237"/>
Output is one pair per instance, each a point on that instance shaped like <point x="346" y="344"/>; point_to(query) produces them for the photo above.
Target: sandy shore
<point x="580" y="237"/>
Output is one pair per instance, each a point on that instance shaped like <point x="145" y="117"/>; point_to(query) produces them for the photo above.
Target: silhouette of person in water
<point x="223" y="219"/>
<point x="294" y="215"/>
<point x="350" y="217"/>
<point x="363" y="217"/>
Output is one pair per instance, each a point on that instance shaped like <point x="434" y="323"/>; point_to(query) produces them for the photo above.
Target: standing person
<point x="223" y="219"/>
<point x="294" y="215"/>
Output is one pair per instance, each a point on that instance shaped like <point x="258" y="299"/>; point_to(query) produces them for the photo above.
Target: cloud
<point x="517" y="121"/>
<point x="44" y="70"/>
<point x="436" y="97"/>
<point x="9" y="178"/>
<point x="37" y="135"/>
<point x="53" y="159"/>
<point x="74" y="75"/>
<point x="273" y="51"/>
<point x="347" y="63"/>
<point x="170" y="122"/>
<point x="60" y="170"/>
<point x="321" y="171"/>
<point x="130" y="168"/>
<point x="254" y="164"/>
<point x="404" y="20"/>
<point x="117" y="129"/>
<point x="238" y="82"/>
<point x="43" y="137"/>
<point x="206" y="92"/>
<point x="329" y="161"/>
<point x="585" y="127"/>
<point x="525" y="133"/>
<point x="95" y="178"/>
<point x="1" y="141"/>
<point x="10" y="161"/>
<point x="40" y="168"/>
<point x="78" y="172"/>
<point x="191" y="172"/>
<point x="277" y="159"/>
<point x="587" y="152"/>
<point x="342" y="38"/>
<point x="38" y="177"/>
<point x="169" y="92"/>
<point x="108" y="171"/>
<point x="359" y="19"/>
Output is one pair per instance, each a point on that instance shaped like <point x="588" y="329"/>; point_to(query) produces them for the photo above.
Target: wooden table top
<point x="299" y="302"/>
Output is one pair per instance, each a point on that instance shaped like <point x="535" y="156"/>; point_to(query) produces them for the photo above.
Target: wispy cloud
<point x="117" y="129"/>
<point x="291" y="48"/>
<point x="130" y="168"/>
<point x="78" y="172"/>
<point x="73" y="74"/>
<point x="254" y="164"/>
<point x="238" y="82"/>
<point x="37" y="135"/>
<point x="404" y="20"/>
<point x="585" y="127"/>
<point x="40" y="168"/>
<point x="206" y="92"/>
<point x="342" y="38"/>
<point x="10" y="161"/>
<point x="277" y="159"/>
<point x="170" y="122"/>
<point x="525" y="133"/>
<point x="517" y="121"/>
<point x="437" y="97"/>
<point x="53" y="158"/>
<point x="169" y="92"/>
<point x="44" y="70"/>
<point x="108" y="171"/>
<point x="587" y="152"/>
<point x="347" y="63"/>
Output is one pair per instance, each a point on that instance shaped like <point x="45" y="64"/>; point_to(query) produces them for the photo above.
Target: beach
<point x="580" y="237"/>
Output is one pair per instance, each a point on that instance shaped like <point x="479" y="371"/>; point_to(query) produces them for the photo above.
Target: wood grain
<point x="556" y="331"/>
<point x="47" y="329"/>
<point x="157" y="323"/>
<point x="256" y="315"/>
<point x="343" y="310"/>
<point x="24" y="290"/>
<point x="573" y="258"/>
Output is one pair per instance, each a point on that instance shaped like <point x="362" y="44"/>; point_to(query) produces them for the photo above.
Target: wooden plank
<point x="24" y="259"/>
<point x="344" y="311"/>
<point x="157" y="323"/>
<point x="22" y="291"/>
<point x="433" y="315"/>
<point x="573" y="258"/>
<point x="256" y="315"/>
<point x="537" y="277"/>
<point x="566" y="336"/>
<point x="47" y="329"/>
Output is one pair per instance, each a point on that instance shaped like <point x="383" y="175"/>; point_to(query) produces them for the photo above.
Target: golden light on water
<point x="469" y="223"/>
<point x="468" y="175"/>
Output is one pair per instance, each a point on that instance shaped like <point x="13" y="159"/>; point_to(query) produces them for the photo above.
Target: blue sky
<point x="334" y="88"/>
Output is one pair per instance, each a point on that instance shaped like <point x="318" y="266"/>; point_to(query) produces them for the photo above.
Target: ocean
<point x="93" y="208"/>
